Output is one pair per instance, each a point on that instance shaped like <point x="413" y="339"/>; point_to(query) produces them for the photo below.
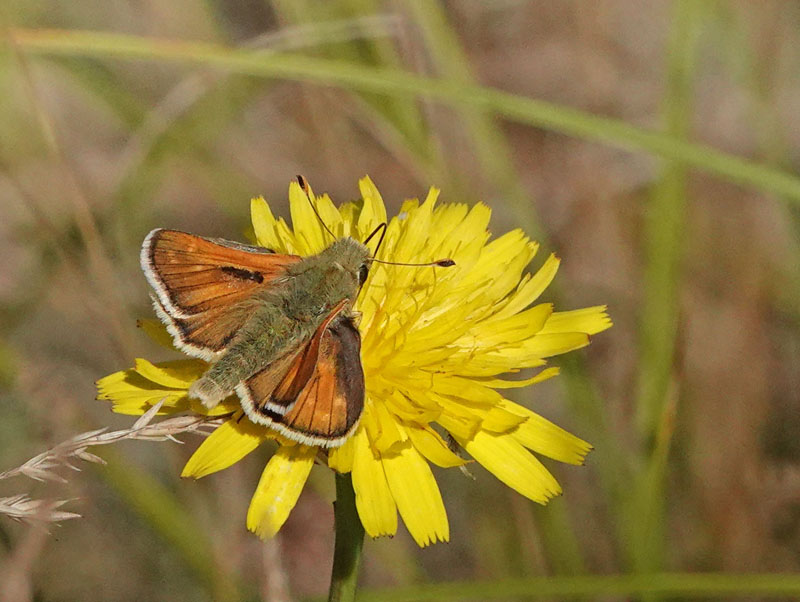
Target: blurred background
<point x="627" y="164"/>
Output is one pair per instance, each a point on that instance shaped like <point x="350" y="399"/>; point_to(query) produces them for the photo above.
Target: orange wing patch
<point x="201" y="286"/>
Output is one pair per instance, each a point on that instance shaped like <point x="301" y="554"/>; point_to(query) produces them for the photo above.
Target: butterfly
<point x="279" y="330"/>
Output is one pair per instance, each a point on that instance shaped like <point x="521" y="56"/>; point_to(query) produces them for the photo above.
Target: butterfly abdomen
<point x="262" y="339"/>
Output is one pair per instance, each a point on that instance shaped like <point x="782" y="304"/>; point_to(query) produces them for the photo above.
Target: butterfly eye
<point x="363" y="272"/>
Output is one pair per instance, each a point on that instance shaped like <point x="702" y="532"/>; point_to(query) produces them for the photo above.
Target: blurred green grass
<point x="178" y="113"/>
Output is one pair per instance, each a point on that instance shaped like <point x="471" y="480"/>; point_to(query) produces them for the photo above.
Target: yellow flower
<point x="434" y="344"/>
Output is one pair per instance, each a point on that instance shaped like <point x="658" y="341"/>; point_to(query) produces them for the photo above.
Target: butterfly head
<point x="349" y="261"/>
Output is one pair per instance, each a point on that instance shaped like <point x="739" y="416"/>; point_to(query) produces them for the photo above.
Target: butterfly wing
<point x="314" y="395"/>
<point x="202" y="286"/>
<point x="329" y="407"/>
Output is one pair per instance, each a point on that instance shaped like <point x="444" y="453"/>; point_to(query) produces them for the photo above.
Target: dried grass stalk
<point x="23" y="508"/>
<point x="42" y="467"/>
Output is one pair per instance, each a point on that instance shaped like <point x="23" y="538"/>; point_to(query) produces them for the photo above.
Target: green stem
<point x="349" y="540"/>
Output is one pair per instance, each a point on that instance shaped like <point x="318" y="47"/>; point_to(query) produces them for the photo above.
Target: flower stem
<point x="349" y="540"/>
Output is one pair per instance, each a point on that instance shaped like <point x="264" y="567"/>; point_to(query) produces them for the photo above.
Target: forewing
<point x="202" y="286"/>
<point x="314" y="395"/>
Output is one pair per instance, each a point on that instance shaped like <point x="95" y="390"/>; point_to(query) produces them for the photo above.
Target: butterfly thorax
<point x="318" y="283"/>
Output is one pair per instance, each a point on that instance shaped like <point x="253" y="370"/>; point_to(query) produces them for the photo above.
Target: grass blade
<point x="523" y="110"/>
<point x="664" y="230"/>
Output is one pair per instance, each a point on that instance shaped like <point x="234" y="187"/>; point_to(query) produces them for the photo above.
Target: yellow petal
<point x="590" y="320"/>
<point x="388" y="431"/>
<point x="446" y="220"/>
<point x="229" y="405"/>
<point x="495" y="362"/>
<point x="348" y="212"/>
<point x="265" y="225"/>
<point x="288" y="241"/>
<point x="157" y="332"/>
<point x="340" y="458"/>
<point x="179" y="374"/>
<point x="465" y="240"/>
<point x="113" y="382"/>
<point x="417" y="496"/>
<point x="543" y="277"/>
<point x="460" y="427"/>
<point x="476" y="222"/>
<point x="465" y="389"/>
<point x="547" y="345"/>
<point x="374" y="501"/>
<point x="330" y="216"/>
<point x="132" y="393"/>
<point x="513" y="251"/>
<point x="546" y="438"/>
<point x="514" y="465"/>
<point x="373" y="211"/>
<point x="135" y="407"/>
<point x="526" y="293"/>
<point x="499" y="420"/>
<point x="370" y="424"/>
<point x="514" y="328"/>
<point x="407" y="410"/>
<point x="431" y="445"/>
<point x="224" y="447"/>
<point x="280" y="486"/>
<point x="499" y="383"/>
<point x="414" y="232"/>
<point x="309" y="234"/>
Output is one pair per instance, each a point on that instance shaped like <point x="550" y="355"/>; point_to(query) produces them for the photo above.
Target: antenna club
<point x="443" y="263"/>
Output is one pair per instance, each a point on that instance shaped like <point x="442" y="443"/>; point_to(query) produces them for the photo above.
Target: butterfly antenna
<point x="441" y="263"/>
<point x="382" y="228"/>
<point x="304" y="185"/>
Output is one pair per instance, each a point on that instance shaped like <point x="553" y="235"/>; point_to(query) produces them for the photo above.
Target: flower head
<point x="436" y="344"/>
